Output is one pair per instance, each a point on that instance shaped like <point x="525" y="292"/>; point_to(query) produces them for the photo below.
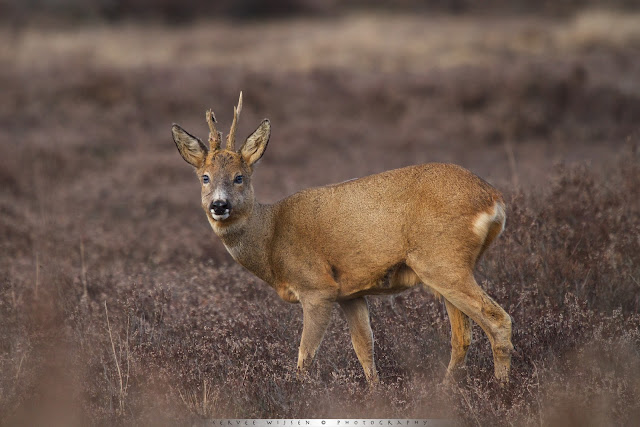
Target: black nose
<point x="220" y="207"/>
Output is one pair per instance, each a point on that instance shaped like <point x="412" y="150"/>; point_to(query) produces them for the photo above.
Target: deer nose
<point x="220" y="207"/>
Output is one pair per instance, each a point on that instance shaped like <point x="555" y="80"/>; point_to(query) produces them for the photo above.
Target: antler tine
<point x="215" y="137"/>
<point x="231" y="139"/>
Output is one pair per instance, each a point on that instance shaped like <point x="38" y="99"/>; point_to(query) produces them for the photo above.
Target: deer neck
<point x="248" y="240"/>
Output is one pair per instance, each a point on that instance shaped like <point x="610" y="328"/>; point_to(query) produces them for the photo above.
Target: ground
<point x="119" y="305"/>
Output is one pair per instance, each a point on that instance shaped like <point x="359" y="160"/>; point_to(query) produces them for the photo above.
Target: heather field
<point x="118" y="305"/>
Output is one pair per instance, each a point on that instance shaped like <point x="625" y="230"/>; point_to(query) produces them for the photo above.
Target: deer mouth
<point x="220" y="209"/>
<point x="219" y="216"/>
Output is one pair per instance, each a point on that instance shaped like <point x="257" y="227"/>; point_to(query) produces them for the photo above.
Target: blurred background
<point x="117" y="302"/>
<point x="174" y="11"/>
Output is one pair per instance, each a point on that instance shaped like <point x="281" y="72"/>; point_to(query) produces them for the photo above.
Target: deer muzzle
<point x="220" y="209"/>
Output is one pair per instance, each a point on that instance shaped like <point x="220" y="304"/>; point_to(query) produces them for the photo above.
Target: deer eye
<point x="238" y="179"/>
<point x="205" y="179"/>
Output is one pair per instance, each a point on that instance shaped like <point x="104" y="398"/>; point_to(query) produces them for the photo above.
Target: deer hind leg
<point x="357" y="313"/>
<point x="316" y="314"/>
<point x="461" y="290"/>
<point x="460" y="339"/>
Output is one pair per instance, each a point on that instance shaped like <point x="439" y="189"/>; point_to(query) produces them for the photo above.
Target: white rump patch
<point x="484" y="220"/>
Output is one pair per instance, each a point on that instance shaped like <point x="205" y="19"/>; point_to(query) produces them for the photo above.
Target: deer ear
<point x="190" y="147"/>
<point x="253" y="148"/>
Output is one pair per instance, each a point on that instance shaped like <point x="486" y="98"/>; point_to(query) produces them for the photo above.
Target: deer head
<point x="225" y="174"/>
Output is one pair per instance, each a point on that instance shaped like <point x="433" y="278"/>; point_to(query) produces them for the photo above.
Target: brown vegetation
<point x="187" y="11"/>
<point x="117" y="303"/>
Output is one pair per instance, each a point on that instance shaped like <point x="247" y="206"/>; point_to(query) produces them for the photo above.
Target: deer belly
<point x="287" y="293"/>
<point x="396" y="279"/>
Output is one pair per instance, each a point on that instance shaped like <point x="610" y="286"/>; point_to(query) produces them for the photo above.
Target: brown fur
<point x="379" y="234"/>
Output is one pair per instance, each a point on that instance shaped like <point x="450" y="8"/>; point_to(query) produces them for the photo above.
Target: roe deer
<point x="380" y="234"/>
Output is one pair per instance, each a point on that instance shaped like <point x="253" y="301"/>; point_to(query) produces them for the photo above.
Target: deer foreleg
<point x="357" y="313"/>
<point x="316" y="317"/>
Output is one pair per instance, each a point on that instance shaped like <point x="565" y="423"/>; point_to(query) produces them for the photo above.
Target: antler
<point x="215" y="137"/>
<point x="231" y="139"/>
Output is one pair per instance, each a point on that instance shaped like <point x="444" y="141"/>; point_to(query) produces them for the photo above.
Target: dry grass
<point x="375" y="42"/>
<point x="118" y="305"/>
